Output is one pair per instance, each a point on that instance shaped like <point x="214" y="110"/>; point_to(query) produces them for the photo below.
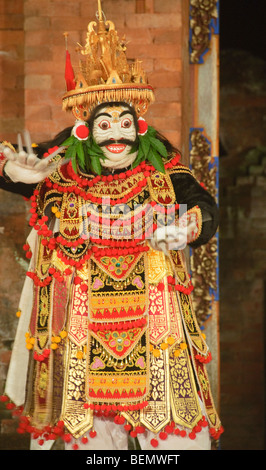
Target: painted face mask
<point x="115" y="132"/>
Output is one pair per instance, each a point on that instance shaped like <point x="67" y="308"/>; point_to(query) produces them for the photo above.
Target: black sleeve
<point x="188" y="191"/>
<point x="23" y="189"/>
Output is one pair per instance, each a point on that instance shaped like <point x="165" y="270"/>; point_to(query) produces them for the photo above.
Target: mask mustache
<point x="105" y="143"/>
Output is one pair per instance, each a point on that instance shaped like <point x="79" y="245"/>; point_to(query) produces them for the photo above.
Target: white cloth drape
<point x="17" y="373"/>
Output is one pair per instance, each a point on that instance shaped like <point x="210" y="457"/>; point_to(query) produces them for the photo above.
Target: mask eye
<point x="126" y="123"/>
<point x="104" y="125"/>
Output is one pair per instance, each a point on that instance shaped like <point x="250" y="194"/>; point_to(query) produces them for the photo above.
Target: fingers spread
<point x="31" y="160"/>
<point x="20" y="146"/>
<point x="41" y="164"/>
<point x="9" y="154"/>
<point x="55" y="153"/>
<point x="44" y="162"/>
<point x="28" y="141"/>
<point x="22" y="157"/>
<point x="45" y="170"/>
<point x="162" y="246"/>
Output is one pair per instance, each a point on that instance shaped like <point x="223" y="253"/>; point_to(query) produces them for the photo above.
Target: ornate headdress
<point x="105" y="74"/>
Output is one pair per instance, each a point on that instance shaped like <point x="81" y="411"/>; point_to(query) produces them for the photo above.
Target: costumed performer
<point x="108" y="344"/>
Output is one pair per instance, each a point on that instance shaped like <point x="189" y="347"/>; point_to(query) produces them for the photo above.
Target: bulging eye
<point x="104" y="125"/>
<point x="126" y="123"/>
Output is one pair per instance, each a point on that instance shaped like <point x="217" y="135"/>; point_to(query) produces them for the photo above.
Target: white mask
<point x="110" y="125"/>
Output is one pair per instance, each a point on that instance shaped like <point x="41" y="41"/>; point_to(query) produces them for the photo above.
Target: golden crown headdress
<point x="105" y="74"/>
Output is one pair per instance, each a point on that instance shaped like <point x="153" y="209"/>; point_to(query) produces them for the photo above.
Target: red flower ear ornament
<point x="81" y="130"/>
<point x="142" y="126"/>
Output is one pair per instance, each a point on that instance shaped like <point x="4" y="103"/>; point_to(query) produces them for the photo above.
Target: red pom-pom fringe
<point x="154" y="442"/>
<point x="171" y="429"/>
<point x="203" y="359"/>
<point x="105" y="410"/>
<point x="125" y="325"/>
<point x="173" y="285"/>
<point x="215" y="434"/>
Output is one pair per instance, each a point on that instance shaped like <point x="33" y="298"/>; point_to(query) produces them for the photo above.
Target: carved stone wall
<point x="204" y="161"/>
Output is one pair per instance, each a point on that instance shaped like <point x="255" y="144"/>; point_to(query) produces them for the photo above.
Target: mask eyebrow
<point x="127" y="111"/>
<point x="102" y="114"/>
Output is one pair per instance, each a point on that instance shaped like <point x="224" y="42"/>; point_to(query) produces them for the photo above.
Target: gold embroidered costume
<point x="118" y="316"/>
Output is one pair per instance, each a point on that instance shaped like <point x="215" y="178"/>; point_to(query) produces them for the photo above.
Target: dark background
<point x="242" y="189"/>
<point x="242" y="26"/>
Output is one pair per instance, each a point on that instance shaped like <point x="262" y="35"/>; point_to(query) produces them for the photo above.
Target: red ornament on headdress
<point x="69" y="73"/>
